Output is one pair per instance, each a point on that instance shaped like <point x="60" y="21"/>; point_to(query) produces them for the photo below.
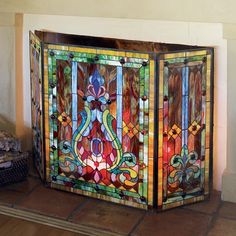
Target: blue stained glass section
<point x="74" y="96"/>
<point x="74" y="77"/>
<point x="119" y="82"/>
<point x="185" y="105"/>
<point x="96" y="81"/>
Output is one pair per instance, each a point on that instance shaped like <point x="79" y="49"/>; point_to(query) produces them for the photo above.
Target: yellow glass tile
<point x="194" y="199"/>
<point x="99" y="196"/>
<point x="112" y="186"/>
<point x="172" y="205"/>
<point x="196" y="53"/>
<point x="194" y="63"/>
<point x="111" y="53"/>
<point x="207" y="160"/>
<point x="47" y="155"/>
<point x="160" y="117"/>
<point x="46" y="71"/>
<point x="151" y="141"/>
<point x="208" y="62"/>
<point x="83" y="50"/>
<point x="159" y="196"/>
<point x="160" y="132"/>
<point x="208" y="78"/>
<point x="131" y="190"/>
<point x="151" y="135"/>
<point x="58" y="47"/>
<point x="137" y="55"/>
<point x="160" y="180"/>
<point x="207" y="145"/>
<point x="208" y="93"/>
<point x="150" y="180"/>
<point x="122" y="188"/>
<point x="174" y="55"/>
<point x="152" y="85"/>
<point x="46" y="116"/>
<point x="160" y="146"/>
<point x="150" y="183"/>
<point x="161" y="78"/>
<point x="208" y="86"/>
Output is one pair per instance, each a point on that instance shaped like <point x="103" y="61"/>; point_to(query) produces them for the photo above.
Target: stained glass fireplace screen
<point x="37" y="103"/>
<point x="124" y="121"/>
<point x="184" y="121"/>
<point x="98" y="123"/>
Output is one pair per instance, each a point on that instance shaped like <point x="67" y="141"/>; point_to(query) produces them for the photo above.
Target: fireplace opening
<point x="111" y="43"/>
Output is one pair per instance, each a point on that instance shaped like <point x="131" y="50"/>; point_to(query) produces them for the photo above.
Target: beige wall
<point x="231" y="165"/>
<point x="174" y="10"/>
<point x="7" y="72"/>
<point x="229" y="177"/>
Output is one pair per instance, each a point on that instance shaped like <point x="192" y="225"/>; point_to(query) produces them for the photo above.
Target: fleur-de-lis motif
<point x="186" y="168"/>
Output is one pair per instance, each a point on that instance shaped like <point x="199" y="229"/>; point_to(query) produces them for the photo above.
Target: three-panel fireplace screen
<point x="124" y="121"/>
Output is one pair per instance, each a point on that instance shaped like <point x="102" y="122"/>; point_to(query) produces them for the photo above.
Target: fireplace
<point x="124" y="121"/>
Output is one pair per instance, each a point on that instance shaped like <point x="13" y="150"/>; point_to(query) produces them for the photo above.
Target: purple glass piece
<point x="95" y="81"/>
<point x="96" y="146"/>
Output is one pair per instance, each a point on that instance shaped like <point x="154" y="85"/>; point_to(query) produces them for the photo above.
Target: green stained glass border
<point x="53" y="55"/>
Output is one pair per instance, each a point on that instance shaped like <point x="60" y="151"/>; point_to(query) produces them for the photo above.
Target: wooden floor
<point x="10" y="226"/>
<point x="31" y="209"/>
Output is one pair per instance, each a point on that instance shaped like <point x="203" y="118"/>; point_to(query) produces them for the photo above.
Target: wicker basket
<point x="18" y="167"/>
<point x="9" y="142"/>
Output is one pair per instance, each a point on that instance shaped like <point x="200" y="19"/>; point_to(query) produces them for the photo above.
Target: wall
<point x="172" y="32"/>
<point x="7" y="72"/>
<point x="231" y="165"/>
<point x="171" y="10"/>
<point x="229" y="177"/>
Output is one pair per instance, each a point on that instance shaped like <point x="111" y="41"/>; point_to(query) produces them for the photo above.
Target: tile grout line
<point x="137" y="224"/>
<point x="76" y="210"/>
<point x="213" y="219"/>
<point x="53" y="222"/>
<point x="211" y="222"/>
<point x="24" y="196"/>
<point x="200" y="212"/>
<point x="227" y="217"/>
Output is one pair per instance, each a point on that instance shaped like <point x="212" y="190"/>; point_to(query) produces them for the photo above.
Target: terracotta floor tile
<point x="11" y="193"/>
<point x="108" y="216"/>
<point x="9" y="197"/>
<point x="174" y="222"/>
<point x="25" y="186"/>
<point x="51" y="202"/>
<point x="208" y="206"/>
<point x="223" y="227"/>
<point x="228" y="210"/>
